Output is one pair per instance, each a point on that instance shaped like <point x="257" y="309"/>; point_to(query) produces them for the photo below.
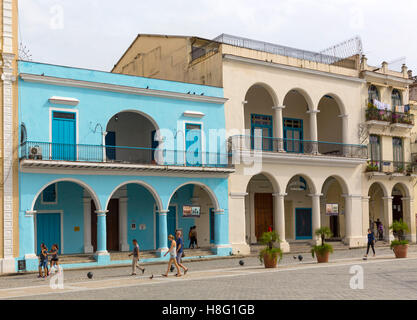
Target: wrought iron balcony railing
<point x="391" y="167"/>
<point x="267" y="144"/>
<point x="374" y="114"/>
<point x="124" y="155"/>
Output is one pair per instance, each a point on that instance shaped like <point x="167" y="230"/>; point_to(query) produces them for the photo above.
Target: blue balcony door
<point x="48" y="230"/>
<point x="293" y="135"/>
<point x="263" y="124"/>
<point x="171" y="223"/>
<point x="303" y="224"/>
<point x="193" y="144"/>
<point x="110" y="141"/>
<point x="63" y="136"/>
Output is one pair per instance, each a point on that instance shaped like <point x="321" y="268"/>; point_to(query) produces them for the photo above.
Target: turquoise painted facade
<point x="70" y="133"/>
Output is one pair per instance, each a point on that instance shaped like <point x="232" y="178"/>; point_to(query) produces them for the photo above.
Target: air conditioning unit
<point x="35" y="153"/>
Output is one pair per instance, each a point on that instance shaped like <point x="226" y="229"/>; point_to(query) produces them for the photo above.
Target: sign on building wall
<point x="332" y="209"/>
<point x="191" y="211"/>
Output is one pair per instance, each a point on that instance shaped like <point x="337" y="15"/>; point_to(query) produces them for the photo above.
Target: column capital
<point x="30" y="213"/>
<point x="219" y="211"/>
<point x="352" y="196"/>
<point x="366" y="198"/>
<point x="101" y="213"/>
<point x="407" y="198"/>
<point x="315" y="195"/>
<point x="313" y="111"/>
<point x="278" y="107"/>
<point x="387" y="198"/>
<point x="344" y="116"/>
<point x="280" y="195"/>
<point x="162" y="212"/>
<point x="238" y="195"/>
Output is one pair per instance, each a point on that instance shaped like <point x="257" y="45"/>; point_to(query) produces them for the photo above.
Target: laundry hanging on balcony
<point x="381" y="106"/>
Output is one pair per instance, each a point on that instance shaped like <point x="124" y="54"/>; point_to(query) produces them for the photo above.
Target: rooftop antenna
<point x="24" y="52"/>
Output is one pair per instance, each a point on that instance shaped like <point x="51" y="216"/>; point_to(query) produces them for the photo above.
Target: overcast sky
<point x="94" y="33"/>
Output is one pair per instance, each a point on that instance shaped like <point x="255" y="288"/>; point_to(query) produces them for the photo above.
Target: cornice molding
<point x="120" y="89"/>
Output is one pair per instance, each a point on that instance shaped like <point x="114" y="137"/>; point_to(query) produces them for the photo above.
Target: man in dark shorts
<point x="135" y="260"/>
<point x="43" y="261"/>
<point x="180" y="250"/>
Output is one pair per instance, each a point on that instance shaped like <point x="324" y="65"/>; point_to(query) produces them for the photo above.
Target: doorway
<point x="263" y="213"/>
<point x="112" y="226"/>
<point x="303" y="224"/>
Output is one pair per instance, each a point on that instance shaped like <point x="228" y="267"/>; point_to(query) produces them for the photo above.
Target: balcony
<point x="378" y="117"/>
<point x="55" y="155"/>
<point x="298" y="150"/>
<point x="394" y="168"/>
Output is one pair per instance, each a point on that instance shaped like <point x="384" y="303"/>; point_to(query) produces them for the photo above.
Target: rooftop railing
<point x="268" y="144"/>
<point x="48" y="151"/>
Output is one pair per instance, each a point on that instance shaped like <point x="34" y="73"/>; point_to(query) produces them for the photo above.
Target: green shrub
<point x="321" y="249"/>
<point x="270" y="239"/>
<point x="398" y="243"/>
<point x="399" y="228"/>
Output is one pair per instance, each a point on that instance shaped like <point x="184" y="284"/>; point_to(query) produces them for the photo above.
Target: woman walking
<point x="371" y="242"/>
<point x="54" y="259"/>
<point x="172" y="257"/>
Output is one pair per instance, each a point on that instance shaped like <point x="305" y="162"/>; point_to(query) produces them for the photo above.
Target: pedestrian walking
<point x="43" y="261"/>
<point x="380" y="232"/>
<point x="135" y="259"/>
<point x="54" y="259"/>
<point x="371" y="242"/>
<point x="180" y="250"/>
<point x="190" y="237"/>
<point x="172" y="257"/>
<point x="194" y="234"/>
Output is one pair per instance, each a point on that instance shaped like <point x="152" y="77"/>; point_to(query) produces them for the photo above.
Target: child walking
<point x="135" y="258"/>
<point x="43" y="261"/>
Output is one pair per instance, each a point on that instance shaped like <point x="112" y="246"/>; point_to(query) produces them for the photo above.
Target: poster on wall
<point x="191" y="211"/>
<point x="332" y="209"/>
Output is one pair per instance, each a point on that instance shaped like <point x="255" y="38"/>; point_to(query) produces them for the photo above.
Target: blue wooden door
<point x="303" y="224"/>
<point x="48" y="230"/>
<point x="263" y="124"/>
<point x="63" y="136"/>
<point x="110" y="141"/>
<point x="171" y="223"/>
<point x="193" y="144"/>
<point x="211" y="225"/>
<point x="293" y="135"/>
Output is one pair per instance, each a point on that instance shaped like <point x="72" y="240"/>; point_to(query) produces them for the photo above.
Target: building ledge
<point x="72" y="165"/>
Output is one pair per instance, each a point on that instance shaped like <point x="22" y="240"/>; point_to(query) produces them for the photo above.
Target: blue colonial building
<point x="106" y="158"/>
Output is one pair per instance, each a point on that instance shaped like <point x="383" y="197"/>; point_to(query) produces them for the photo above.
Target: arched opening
<point x="130" y="138"/>
<point x="373" y="94"/>
<point x="192" y="208"/>
<point x="330" y="126"/>
<point x="377" y="220"/>
<point x="333" y="207"/>
<point x="396" y="99"/>
<point x="259" y="116"/>
<point x="259" y="207"/>
<point x="296" y="122"/>
<point x="131" y="215"/>
<point x="298" y="209"/>
<point x="398" y="193"/>
<point x="60" y="216"/>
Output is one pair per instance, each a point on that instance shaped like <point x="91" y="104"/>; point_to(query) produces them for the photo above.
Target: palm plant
<point x="323" y="233"/>
<point x="270" y="239"/>
<point x="399" y="228"/>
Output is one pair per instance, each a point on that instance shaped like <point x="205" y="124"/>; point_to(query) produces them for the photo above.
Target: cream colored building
<point x="9" y="236"/>
<point x="310" y="166"/>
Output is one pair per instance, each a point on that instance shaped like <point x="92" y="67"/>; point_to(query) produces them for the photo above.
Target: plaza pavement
<point x="385" y="278"/>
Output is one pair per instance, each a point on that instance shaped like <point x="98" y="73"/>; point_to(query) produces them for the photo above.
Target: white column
<point x="365" y="215"/>
<point x="239" y="222"/>
<point x="104" y="143"/>
<point x="278" y="127"/>
<point x="316" y="223"/>
<point x="354" y="221"/>
<point x="388" y="235"/>
<point x="88" y="248"/>
<point x="123" y="245"/>
<point x="313" y="130"/>
<point x="409" y="218"/>
<point x="252" y="218"/>
<point x="279" y="220"/>
<point x="345" y="135"/>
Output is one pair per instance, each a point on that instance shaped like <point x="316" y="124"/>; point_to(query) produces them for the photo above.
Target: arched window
<point x="396" y="98"/>
<point x="373" y="93"/>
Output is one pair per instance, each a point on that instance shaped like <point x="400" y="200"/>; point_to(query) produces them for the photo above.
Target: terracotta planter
<point x="322" y="258"/>
<point x="270" y="262"/>
<point x="400" y="251"/>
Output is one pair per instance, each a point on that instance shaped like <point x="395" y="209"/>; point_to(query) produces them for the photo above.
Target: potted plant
<point x="269" y="255"/>
<point x="322" y="251"/>
<point x="371" y="167"/>
<point x="399" y="245"/>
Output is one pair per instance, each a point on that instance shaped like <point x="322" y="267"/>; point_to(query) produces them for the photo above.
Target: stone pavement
<point x="385" y="278"/>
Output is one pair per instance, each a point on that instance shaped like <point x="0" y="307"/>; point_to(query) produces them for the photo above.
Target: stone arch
<point x="312" y="186"/>
<point x="76" y="181"/>
<point x="305" y="95"/>
<point x="268" y="88"/>
<point x="141" y="183"/>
